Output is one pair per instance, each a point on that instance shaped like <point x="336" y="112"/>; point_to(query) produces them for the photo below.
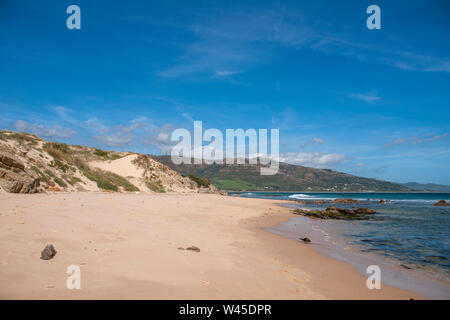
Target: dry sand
<point x="127" y="248"/>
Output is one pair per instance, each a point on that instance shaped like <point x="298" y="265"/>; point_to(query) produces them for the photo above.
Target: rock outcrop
<point x="337" y="213"/>
<point x="345" y="201"/>
<point x="14" y="177"/>
<point x="442" y="203"/>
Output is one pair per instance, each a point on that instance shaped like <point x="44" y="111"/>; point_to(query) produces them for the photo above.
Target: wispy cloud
<point x="312" y="159"/>
<point x="118" y="136"/>
<point x="237" y="40"/>
<point x="225" y="73"/>
<point x="52" y="132"/>
<point x="313" y="141"/>
<point x="419" y="62"/>
<point x="416" y="140"/>
<point x="369" y="97"/>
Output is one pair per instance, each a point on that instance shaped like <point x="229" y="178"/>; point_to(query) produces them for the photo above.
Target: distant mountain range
<point x="427" y="187"/>
<point x="289" y="178"/>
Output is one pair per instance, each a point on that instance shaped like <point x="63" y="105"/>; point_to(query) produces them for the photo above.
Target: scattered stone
<point x="193" y="248"/>
<point x="48" y="253"/>
<point x="307" y="240"/>
<point x="180" y="248"/>
<point x="381" y="201"/>
<point x="441" y="203"/>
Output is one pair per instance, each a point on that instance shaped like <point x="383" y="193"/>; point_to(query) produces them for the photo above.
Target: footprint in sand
<point x="205" y="282"/>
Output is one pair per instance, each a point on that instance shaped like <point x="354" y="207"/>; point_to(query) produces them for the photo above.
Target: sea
<point x="407" y="233"/>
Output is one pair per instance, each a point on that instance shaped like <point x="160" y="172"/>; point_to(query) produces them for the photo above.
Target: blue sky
<point x="374" y="103"/>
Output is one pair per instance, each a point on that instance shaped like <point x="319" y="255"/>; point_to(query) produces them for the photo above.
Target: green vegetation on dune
<point x="108" y="180"/>
<point x="60" y="182"/>
<point x="201" y="182"/>
<point x="67" y="158"/>
<point x="22" y="138"/>
<point x="42" y="176"/>
<point x="106" y="155"/>
<point x="155" y="186"/>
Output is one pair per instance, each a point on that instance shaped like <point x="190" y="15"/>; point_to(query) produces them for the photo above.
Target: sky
<point x="374" y="103"/>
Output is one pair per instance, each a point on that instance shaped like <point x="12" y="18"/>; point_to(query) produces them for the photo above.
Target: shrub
<point x="71" y="179"/>
<point x="155" y="186"/>
<point x="48" y="172"/>
<point x="58" y="164"/>
<point x="108" y="180"/>
<point x="41" y="175"/>
<point x="100" y="153"/>
<point x="59" y="151"/>
<point x="60" y="182"/>
<point x="19" y="137"/>
<point x="201" y="182"/>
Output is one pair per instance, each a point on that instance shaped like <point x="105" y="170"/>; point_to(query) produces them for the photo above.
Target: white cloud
<point x="118" y="136"/>
<point x="415" y="140"/>
<point x="225" y="73"/>
<point x="369" y="97"/>
<point x="55" y="132"/>
<point x="160" y="138"/>
<point x="318" y="140"/>
<point x="312" y="159"/>
<point x="312" y="141"/>
<point x="242" y="39"/>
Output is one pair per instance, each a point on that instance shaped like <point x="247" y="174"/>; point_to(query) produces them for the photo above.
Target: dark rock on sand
<point x="307" y="240"/>
<point x="441" y="203"/>
<point x="48" y="253"/>
<point x="193" y="248"/>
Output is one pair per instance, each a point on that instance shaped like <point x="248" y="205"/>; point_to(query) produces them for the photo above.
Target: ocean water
<point x="408" y="229"/>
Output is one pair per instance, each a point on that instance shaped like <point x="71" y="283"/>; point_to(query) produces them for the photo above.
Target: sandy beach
<point x="128" y="246"/>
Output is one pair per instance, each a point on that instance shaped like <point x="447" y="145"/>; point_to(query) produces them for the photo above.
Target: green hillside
<point x="289" y="178"/>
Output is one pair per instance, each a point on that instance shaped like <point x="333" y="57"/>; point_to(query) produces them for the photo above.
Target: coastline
<point x="327" y="243"/>
<point x="128" y="247"/>
<point x="343" y="192"/>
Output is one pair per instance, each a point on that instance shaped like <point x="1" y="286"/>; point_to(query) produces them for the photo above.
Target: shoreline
<point x="326" y="243"/>
<point x="343" y="192"/>
<point x="128" y="246"/>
